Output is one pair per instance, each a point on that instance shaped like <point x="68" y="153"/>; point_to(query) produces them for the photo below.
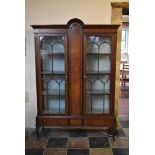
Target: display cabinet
<point x="75" y="75"/>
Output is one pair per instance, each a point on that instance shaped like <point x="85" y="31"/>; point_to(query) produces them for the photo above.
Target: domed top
<point x="75" y="20"/>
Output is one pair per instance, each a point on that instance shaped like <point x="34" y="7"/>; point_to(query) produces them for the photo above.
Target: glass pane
<point x="88" y="104"/>
<point x="92" y="48"/>
<point x="104" y="63"/>
<point x="106" y="101"/>
<point x="58" y="63"/>
<point x="123" y="35"/>
<point x="52" y="53"/>
<point x="99" y="39"/>
<point x="97" y="106"/>
<point x="100" y="84"/>
<point x="52" y="83"/>
<point x="53" y="68"/>
<point x="58" y="48"/>
<point x="98" y="63"/>
<point x="105" y="48"/>
<point x="100" y="104"/>
<point x="123" y="45"/>
<point x="92" y="63"/>
<point x="51" y="104"/>
<point x="46" y="63"/>
<point x="98" y="68"/>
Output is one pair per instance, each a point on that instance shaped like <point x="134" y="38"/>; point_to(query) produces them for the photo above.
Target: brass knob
<point x="84" y="77"/>
<point x="66" y="77"/>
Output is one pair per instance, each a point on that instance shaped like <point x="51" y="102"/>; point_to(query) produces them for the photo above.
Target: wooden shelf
<point x="97" y="110"/>
<point x="45" y="52"/>
<point x="54" y="111"/>
<point x="52" y="54"/>
<point x="106" y="54"/>
<point x="54" y="73"/>
<point x="98" y="92"/>
<point x="54" y="92"/>
<point x="96" y="73"/>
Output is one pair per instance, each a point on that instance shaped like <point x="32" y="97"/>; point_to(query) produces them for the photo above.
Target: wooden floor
<point x="123" y="107"/>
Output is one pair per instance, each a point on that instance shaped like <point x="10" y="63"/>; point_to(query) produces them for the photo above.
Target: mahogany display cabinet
<point x="75" y="75"/>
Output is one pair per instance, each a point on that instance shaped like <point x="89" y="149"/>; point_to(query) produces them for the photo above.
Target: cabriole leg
<point x="111" y="131"/>
<point x="114" y="132"/>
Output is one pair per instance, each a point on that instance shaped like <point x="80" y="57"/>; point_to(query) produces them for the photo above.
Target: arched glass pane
<point x="58" y="48"/>
<point x="105" y="48"/>
<point x="99" y="84"/>
<point x="92" y="48"/>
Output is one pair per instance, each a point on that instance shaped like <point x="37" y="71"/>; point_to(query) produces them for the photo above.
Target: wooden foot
<point x="111" y="132"/>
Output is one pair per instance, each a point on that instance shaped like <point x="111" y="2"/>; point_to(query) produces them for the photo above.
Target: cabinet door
<point x="97" y="74"/>
<point x="54" y="74"/>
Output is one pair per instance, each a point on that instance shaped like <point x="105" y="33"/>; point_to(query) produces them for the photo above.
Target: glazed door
<point x="53" y="83"/>
<point x="97" y="74"/>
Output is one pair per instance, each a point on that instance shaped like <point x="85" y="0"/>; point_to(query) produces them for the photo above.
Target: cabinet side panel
<point x="75" y="38"/>
<point x="38" y="78"/>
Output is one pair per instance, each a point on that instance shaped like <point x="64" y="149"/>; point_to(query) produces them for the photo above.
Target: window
<point x="124" y="39"/>
<point x="124" y="44"/>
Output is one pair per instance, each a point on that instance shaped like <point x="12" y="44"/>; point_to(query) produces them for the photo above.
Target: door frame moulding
<point x="117" y="7"/>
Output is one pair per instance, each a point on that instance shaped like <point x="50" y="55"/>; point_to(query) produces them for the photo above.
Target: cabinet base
<point x="86" y="122"/>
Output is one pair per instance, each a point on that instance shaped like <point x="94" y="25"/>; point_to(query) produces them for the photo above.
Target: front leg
<point x="111" y="131"/>
<point x="114" y="132"/>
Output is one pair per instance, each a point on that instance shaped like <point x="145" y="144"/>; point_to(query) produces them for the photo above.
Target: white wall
<point x="30" y="83"/>
<point x="56" y="12"/>
<point x="60" y="11"/>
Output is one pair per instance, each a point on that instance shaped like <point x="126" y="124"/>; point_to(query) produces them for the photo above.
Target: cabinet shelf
<point x="98" y="92"/>
<point x="96" y="73"/>
<point x="54" y="73"/>
<point x="52" y="54"/>
<point x="54" y="92"/>
<point x="106" y="54"/>
<point x="45" y="52"/>
<point x="54" y="111"/>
